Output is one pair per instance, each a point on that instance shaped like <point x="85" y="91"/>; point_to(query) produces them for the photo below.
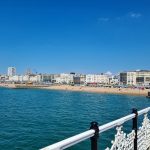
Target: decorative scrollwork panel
<point x="122" y="140"/>
<point x="125" y="141"/>
<point x="144" y="134"/>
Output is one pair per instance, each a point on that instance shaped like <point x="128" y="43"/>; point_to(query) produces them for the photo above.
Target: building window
<point x="140" y="79"/>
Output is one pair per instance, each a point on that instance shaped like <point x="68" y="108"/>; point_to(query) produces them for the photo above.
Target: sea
<point x="31" y="119"/>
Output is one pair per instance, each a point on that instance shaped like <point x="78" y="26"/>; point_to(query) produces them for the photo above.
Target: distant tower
<point x="11" y="71"/>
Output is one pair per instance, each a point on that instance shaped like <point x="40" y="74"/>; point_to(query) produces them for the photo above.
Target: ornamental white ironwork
<point x="125" y="141"/>
<point x="144" y="134"/>
<point x="122" y="140"/>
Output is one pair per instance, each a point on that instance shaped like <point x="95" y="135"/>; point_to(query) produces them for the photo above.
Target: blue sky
<point x="74" y="35"/>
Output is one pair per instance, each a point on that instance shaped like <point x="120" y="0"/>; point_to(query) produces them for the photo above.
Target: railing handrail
<point x="90" y="133"/>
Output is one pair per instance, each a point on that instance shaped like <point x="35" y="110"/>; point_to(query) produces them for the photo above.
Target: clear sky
<point x="86" y="36"/>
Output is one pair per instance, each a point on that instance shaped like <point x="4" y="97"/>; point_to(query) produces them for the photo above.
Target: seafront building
<point x="131" y="78"/>
<point x="70" y="78"/>
<point x="32" y="78"/>
<point x="97" y="79"/>
<point x="11" y="71"/>
<point x="79" y="79"/>
<point x="136" y="78"/>
<point x="65" y="78"/>
<point x="82" y="79"/>
<point x="114" y="80"/>
<point x="3" y="78"/>
<point x="47" y="78"/>
<point x="23" y="78"/>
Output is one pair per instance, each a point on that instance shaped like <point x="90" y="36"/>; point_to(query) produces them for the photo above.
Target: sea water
<point x="31" y="119"/>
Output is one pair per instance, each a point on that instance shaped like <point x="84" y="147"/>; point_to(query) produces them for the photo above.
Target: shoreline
<point x="123" y="91"/>
<point x="102" y="90"/>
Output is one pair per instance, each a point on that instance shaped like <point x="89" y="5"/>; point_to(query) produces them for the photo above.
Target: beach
<point x="125" y="91"/>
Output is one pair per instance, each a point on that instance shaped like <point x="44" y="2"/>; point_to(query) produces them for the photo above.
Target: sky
<point x="84" y="36"/>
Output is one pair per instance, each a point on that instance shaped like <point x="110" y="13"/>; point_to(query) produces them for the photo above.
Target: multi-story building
<point x="97" y="78"/>
<point x="3" y="78"/>
<point x="65" y="78"/>
<point x="15" y="78"/>
<point x="76" y="80"/>
<point x="82" y="79"/>
<point x="138" y="77"/>
<point x="72" y="78"/>
<point x="114" y="80"/>
<point x="123" y="78"/>
<point x="47" y="78"/>
<point x="11" y="71"/>
<point x="40" y="78"/>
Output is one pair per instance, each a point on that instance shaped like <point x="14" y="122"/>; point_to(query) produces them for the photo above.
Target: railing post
<point x="94" y="139"/>
<point x="135" y="126"/>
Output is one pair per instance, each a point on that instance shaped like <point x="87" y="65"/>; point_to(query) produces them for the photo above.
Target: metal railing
<point x="95" y="130"/>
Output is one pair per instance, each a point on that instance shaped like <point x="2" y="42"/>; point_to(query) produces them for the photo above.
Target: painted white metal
<point x="71" y="141"/>
<point x="120" y="121"/>
<point x="125" y="141"/>
<point x="85" y="135"/>
<point x="122" y="140"/>
<point x="144" y="134"/>
<point x="143" y="111"/>
<point x="115" y="123"/>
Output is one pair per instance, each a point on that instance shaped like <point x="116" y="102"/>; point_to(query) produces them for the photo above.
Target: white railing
<point x="117" y="123"/>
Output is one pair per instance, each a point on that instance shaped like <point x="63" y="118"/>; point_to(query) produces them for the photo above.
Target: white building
<point x="15" y="78"/>
<point x="48" y="78"/>
<point x="131" y="77"/>
<point x="65" y="78"/>
<point x="11" y="71"/>
<point x="25" y="78"/>
<point x="3" y="78"/>
<point x="32" y="78"/>
<point x="97" y="78"/>
<point x="114" y="80"/>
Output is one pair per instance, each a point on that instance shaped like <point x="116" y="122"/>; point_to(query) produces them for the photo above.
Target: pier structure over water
<point x="137" y="139"/>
